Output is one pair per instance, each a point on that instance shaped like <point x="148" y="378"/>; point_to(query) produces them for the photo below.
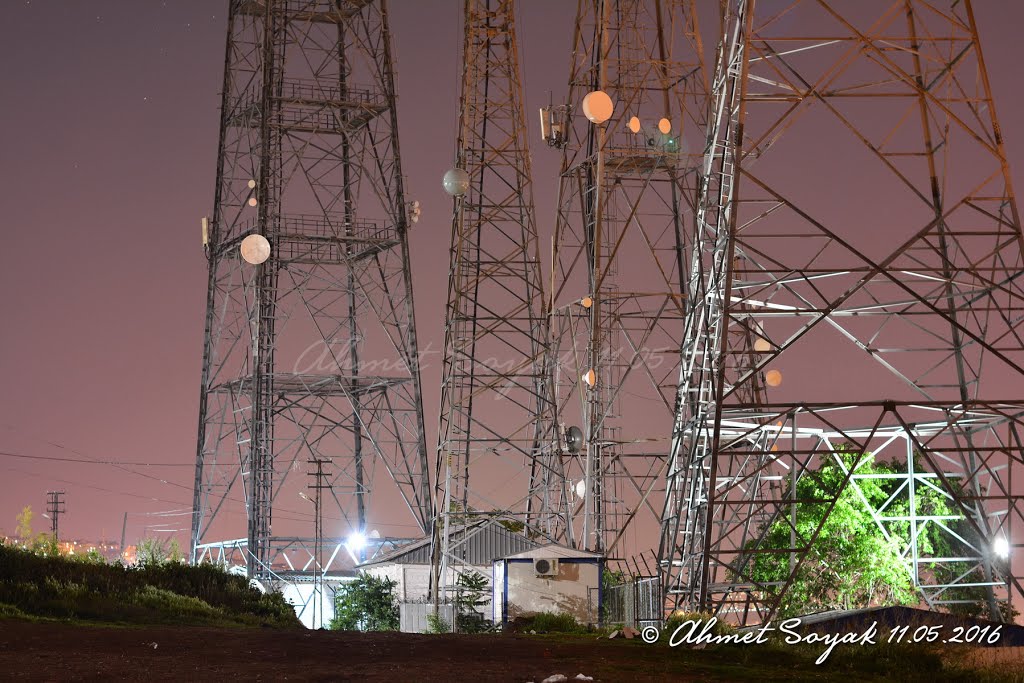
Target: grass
<point x="47" y="586"/>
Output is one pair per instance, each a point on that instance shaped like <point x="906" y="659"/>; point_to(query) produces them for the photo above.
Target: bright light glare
<point x="356" y="541"/>
<point x="1001" y="546"/>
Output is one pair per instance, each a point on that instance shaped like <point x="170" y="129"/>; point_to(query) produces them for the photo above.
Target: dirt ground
<point x="56" y="651"/>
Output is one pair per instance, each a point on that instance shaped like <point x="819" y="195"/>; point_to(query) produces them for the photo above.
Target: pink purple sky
<point x="108" y="135"/>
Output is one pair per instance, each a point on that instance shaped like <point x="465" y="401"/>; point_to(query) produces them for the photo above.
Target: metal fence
<point x="636" y="603"/>
<point x="413" y="615"/>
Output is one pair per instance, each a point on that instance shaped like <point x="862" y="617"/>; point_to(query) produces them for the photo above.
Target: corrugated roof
<point x="552" y="550"/>
<point x="478" y="543"/>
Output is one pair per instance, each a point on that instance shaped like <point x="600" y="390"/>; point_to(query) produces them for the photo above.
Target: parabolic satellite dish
<point x="255" y="249"/>
<point x="574" y="439"/>
<point x="456" y="182"/>
<point x="598" y="106"/>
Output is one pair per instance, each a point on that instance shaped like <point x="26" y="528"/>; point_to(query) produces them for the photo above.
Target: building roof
<point x="554" y="551"/>
<point x="478" y="543"/>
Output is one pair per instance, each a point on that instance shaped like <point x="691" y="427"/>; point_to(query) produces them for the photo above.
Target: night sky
<point x="108" y="140"/>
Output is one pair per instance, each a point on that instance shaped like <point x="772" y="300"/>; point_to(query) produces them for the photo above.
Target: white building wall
<point x="314" y="609"/>
<point x="573" y="590"/>
<point x="414" y="581"/>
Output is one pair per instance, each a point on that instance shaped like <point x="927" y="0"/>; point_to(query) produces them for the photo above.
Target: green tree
<point x="24" y="519"/>
<point x="151" y="551"/>
<point x="174" y="552"/>
<point x="851" y="562"/>
<point x="471" y="594"/>
<point x="366" y="604"/>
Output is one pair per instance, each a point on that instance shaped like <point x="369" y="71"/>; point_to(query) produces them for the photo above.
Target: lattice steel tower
<point x="625" y="213"/>
<point x="494" y="456"/>
<point x="858" y="236"/>
<point x="311" y="354"/>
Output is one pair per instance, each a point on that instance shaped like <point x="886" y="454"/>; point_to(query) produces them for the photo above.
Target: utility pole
<point x="55" y="507"/>
<point x="320" y="481"/>
<point x="124" y="531"/>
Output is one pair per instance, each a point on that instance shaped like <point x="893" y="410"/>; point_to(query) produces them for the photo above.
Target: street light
<point x="354" y="544"/>
<point x="356" y="541"/>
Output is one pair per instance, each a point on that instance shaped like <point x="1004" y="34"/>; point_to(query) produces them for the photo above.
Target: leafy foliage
<point x="24" y="522"/>
<point x="79" y="587"/>
<point x="610" y="578"/>
<point x="46" y="544"/>
<point x="472" y="591"/>
<point x="366" y="604"/>
<point x="437" y="625"/>
<point x="850" y="562"/>
<point x="551" y="622"/>
<point x="156" y="551"/>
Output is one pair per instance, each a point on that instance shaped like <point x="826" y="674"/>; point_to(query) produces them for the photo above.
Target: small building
<point x="550" y="578"/>
<point x="478" y="543"/>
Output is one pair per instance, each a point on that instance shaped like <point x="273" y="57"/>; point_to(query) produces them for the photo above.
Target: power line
<point x="93" y="486"/>
<point x="297" y="515"/>
<point x="95" y="462"/>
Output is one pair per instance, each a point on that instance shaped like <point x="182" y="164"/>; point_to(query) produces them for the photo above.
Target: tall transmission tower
<point x="858" y="235"/>
<point x="494" y="456"/>
<point x="55" y="507"/>
<point x="310" y="348"/>
<point x="632" y="134"/>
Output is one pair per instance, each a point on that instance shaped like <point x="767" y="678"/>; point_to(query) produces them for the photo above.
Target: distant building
<point x="479" y="543"/>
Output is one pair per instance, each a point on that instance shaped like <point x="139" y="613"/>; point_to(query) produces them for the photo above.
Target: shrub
<point x="437" y="624"/>
<point x="366" y="604"/>
<point x="551" y="622"/>
<point x="82" y="588"/>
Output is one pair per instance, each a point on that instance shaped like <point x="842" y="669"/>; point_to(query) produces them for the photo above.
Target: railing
<point x="636" y="603"/>
<point x="299" y="226"/>
<point x="319" y="105"/>
<point x="330" y="92"/>
<point x="318" y="225"/>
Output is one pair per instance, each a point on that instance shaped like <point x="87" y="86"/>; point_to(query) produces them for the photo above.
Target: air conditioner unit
<point x="546" y="567"/>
